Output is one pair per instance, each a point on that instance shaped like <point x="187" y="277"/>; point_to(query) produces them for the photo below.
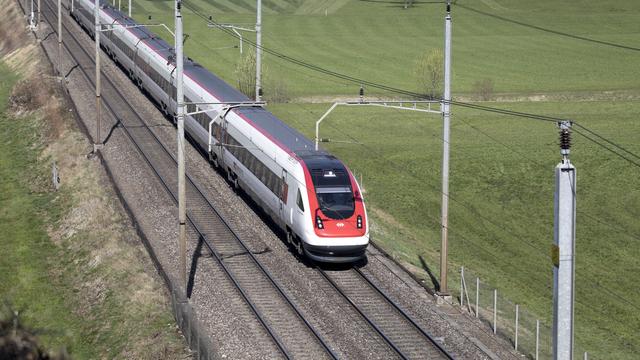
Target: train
<point x="309" y="193"/>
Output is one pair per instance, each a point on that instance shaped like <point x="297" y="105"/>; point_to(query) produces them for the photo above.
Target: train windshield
<point x="336" y="202"/>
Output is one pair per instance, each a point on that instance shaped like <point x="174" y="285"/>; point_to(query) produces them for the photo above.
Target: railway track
<point x="294" y="336"/>
<point x="291" y="332"/>
<point x="408" y="339"/>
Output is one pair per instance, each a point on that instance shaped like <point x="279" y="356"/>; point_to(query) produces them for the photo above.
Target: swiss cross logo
<point x="340" y="224"/>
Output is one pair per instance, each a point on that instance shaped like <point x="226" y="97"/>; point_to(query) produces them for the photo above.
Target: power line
<point x="542" y="165"/>
<point x="608" y="148"/>
<point x="371" y="83"/>
<point x="607" y="140"/>
<point x="406" y="92"/>
<point x="556" y="32"/>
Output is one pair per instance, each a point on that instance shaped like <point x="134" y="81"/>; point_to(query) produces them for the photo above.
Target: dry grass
<point x="103" y="270"/>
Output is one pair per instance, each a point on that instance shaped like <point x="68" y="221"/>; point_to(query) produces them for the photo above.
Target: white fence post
<point x="586" y="356"/>
<point x="517" y="318"/>
<point x="537" y="338"/>
<point x="477" y="295"/>
<point x="495" y="310"/>
<point x="461" y="286"/>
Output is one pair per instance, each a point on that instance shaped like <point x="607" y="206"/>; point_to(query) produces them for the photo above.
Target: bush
<point x="429" y="72"/>
<point x="246" y="74"/>
<point x="483" y="88"/>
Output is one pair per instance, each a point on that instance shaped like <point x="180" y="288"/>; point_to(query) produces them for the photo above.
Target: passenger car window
<point x="299" y="201"/>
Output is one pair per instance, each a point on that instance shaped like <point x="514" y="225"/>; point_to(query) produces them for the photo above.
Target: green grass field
<point x="502" y="168"/>
<point x="379" y="41"/>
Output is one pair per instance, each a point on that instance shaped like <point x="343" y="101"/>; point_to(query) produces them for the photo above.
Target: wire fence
<point x="527" y="332"/>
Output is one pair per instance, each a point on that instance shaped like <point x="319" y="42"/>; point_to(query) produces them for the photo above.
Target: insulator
<point x="565" y="139"/>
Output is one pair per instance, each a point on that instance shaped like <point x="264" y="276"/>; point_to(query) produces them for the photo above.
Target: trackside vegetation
<point x="87" y="293"/>
<point x="572" y="59"/>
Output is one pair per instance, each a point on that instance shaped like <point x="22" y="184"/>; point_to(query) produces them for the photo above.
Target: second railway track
<point x="287" y="326"/>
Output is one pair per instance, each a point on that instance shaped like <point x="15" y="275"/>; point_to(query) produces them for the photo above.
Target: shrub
<point x="483" y="89"/>
<point x="429" y="72"/>
<point x="246" y="74"/>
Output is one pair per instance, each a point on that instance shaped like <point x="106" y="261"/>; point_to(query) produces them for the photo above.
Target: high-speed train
<point x="310" y="194"/>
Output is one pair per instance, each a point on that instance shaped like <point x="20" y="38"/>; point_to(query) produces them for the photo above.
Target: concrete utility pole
<point x="259" y="51"/>
<point x="96" y="15"/>
<point x="59" y="37"/>
<point x="444" y="290"/>
<point x="564" y="249"/>
<point x="38" y="12"/>
<point x="129" y="8"/>
<point x="182" y="207"/>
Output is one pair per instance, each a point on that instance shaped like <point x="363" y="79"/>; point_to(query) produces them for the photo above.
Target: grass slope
<point x="380" y="41"/>
<point x="68" y="262"/>
<point x="26" y="250"/>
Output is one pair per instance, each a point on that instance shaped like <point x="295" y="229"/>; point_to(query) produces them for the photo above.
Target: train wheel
<point x="214" y="161"/>
<point x="289" y="238"/>
<point x="298" y="246"/>
<point x="236" y="183"/>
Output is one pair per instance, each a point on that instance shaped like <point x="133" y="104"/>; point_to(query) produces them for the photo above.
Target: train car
<point x="310" y="194"/>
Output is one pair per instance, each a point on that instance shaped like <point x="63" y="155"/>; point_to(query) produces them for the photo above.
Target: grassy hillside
<point x="501" y="210"/>
<point x="380" y="41"/>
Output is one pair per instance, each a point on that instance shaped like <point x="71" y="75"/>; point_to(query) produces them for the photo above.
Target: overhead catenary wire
<point x="395" y="90"/>
<point x="551" y="31"/>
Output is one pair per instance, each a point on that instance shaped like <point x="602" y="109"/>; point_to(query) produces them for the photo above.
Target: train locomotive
<point x="310" y="194"/>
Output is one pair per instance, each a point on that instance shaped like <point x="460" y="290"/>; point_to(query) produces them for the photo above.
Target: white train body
<point x="310" y="194"/>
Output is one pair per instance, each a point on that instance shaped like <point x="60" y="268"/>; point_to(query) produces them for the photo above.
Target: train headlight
<point x="359" y="222"/>
<point x="319" y="223"/>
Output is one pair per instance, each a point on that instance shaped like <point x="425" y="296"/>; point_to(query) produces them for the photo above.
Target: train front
<point x="338" y="215"/>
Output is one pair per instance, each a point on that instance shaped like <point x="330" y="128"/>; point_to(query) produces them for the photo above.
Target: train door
<point x="284" y="194"/>
<point x="297" y="210"/>
<point x="224" y="137"/>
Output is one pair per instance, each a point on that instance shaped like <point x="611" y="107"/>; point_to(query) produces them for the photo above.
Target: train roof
<point x="286" y="136"/>
<point x="280" y="132"/>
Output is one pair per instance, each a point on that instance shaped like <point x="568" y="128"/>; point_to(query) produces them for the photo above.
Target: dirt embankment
<point x="102" y="269"/>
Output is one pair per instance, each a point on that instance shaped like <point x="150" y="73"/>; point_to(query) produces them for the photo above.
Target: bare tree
<point x="429" y="72"/>
<point x="246" y="74"/>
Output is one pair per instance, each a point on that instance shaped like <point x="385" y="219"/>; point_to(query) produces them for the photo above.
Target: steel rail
<point x="405" y="314"/>
<point x="389" y="301"/>
<point x="212" y="207"/>
<point x="364" y="316"/>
